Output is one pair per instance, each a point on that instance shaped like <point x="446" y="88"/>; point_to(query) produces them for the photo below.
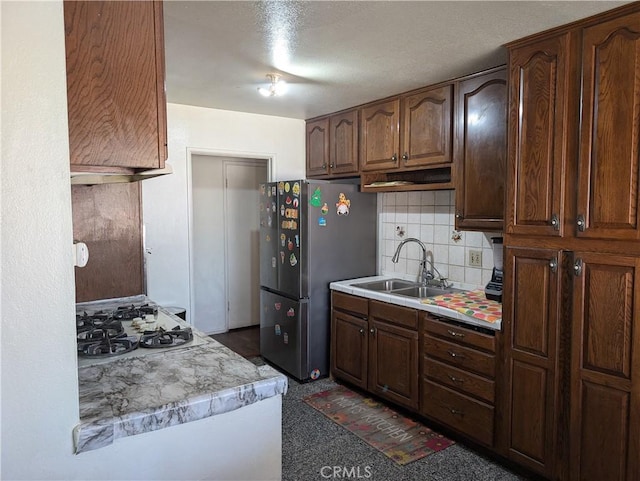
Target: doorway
<point x="224" y="241"/>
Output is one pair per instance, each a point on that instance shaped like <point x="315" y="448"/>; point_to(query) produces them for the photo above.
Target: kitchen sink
<point x="387" y="285"/>
<point x="422" y="291"/>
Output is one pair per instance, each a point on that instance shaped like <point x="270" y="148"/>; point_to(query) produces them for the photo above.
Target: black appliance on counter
<point x="493" y="289"/>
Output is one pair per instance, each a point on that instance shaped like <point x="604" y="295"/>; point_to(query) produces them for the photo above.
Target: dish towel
<point x="470" y="303"/>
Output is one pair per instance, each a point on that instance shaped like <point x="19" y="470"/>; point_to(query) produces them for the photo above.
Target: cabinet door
<point x="531" y="317"/>
<point x="115" y="84"/>
<point x="541" y="83"/>
<point x="349" y="348"/>
<point x="608" y="201"/>
<point x="318" y="148"/>
<point x="393" y="363"/>
<point x="427" y="127"/>
<point x="343" y="141"/>
<point x="379" y="135"/>
<point x="481" y="151"/>
<point x="605" y="382"/>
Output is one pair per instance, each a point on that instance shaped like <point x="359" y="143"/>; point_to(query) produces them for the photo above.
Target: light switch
<point x="80" y="254"/>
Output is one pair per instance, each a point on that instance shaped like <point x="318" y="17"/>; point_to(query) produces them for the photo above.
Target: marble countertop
<point x="142" y="394"/>
<point x="348" y="287"/>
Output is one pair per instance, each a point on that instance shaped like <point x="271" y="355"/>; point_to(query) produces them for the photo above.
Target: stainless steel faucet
<point x="427" y="276"/>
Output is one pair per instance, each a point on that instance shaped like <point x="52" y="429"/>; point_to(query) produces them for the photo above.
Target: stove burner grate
<point x="108" y="347"/>
<point x="127" y="313"/>
<point x="162" y="338"/>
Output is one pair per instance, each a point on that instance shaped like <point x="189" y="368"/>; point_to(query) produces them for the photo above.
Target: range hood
<point x="92" y="178"/>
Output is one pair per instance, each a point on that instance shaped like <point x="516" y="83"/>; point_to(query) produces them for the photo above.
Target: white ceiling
<point x="339" y="54"/>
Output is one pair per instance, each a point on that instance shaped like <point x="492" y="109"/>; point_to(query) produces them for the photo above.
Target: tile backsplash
<point x="429" y="216"/>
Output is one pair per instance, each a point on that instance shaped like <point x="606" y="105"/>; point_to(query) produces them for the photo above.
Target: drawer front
<point x="346" y="302"/>
<point x="393" y="314"/>
<point x="460" y="356"/>
<point x="466" y="415"/>
<point x="457" y="334"/>
<point x="459" y="380"/>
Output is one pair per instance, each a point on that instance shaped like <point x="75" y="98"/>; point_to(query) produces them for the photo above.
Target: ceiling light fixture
<point x="277" y="87"/>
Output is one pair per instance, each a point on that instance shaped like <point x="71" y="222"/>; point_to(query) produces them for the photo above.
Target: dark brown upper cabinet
<point x="115" y="85"/>
<point x="380" y="135"/>
<point x="608" y="204"/>
<point x="481" y="151"/>
<point x="540" y="109"/>
<point x="332" y="146"/>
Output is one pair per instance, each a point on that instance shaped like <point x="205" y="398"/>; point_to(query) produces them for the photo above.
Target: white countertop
<point x="347" y="286"/>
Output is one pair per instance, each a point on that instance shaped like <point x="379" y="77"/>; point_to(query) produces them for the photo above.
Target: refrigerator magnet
<point x="277" y="329"/>
<point x="273" y="207"/>
<point x="269" y="221"/>
<point x="273" y="191"/>
<point x="281" y="188"/>
<point x="288" y="200"/>
<point x="296" y="189"/>
<point x="262" y="189"/>
<point x="273" y="262"/>
<point x="297" y="238"/>
<point x="315" y="374"/>
<point x="343" y="204"/>
<point x="291" y="312"/>
<point x="268" y="238"/>
<point x="293" y="260"/>
<point x="283" y="239"/>
<point x="325" y="209"/>
<point x="282" y="210"/>
<point x="316" y="198"/>
<point x="322" y="222"/>
<point x="278" y="306"/>
<point x="285" y="338"/>
<point x="295" y="203"/>
<point x="282" y="256"/>
<point x="287" y="187"/>
<point x="289" y="244"/>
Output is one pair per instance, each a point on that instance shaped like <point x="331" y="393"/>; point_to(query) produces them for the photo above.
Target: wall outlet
<point x="475" y="258"/>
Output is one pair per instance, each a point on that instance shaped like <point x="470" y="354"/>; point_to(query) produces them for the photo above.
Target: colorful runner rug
<point x="397" y="437"/>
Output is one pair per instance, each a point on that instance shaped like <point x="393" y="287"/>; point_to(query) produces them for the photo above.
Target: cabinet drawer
<point x="346" y="302"/>
<point x="458" y="334"/>
<point x="460" y="356"/>
<point x="458" y="379"/>
<point x="470" y="417"/>
<point x="393" y="314"/>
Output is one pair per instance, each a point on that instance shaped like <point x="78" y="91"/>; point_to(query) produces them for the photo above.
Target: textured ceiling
<point x="338" y="54"/>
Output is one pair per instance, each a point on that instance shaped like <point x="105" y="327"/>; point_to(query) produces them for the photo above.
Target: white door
<point x="242" y="234"/>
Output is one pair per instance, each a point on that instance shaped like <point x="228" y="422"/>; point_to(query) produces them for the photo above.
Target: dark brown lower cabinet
<point x="374" y="346"/>
<point x="530" y="419"/>
<point x="605" y="368"/>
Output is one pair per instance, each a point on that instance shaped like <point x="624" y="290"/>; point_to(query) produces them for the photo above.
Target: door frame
<point x="219" y="154"/>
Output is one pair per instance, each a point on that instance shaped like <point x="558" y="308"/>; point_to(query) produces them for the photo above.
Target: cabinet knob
<point x="458" y="215"/>
<point x="555" y="223"/>
<point x="373" y="331"/>
<point x="362" y="331"/>
<point x="577" y="267"/>
<point x="553" y="265"/>
<point x="456" y="379"/>
<point x="580" y="222"/>
<point x="331" y="165"/>
<point x="457" y="412"/>
<point x="405" y="157"/>
<point x="455" y="355"/>
<point x="324" y="166"/>
<point x="394" y="157"/>
<point x="455" y="334"/>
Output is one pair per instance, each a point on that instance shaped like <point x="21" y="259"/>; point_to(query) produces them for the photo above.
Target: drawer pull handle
<point x="455" y="334"/>
<point x="454" y="354"/>
<point x="457" y="413"/>
<point x="456" y="379"/>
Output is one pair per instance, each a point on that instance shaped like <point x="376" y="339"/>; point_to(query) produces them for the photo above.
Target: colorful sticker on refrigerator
<point x="287" y="187"/>
<point x="343" y="204"/>
<point x="291" y="213"/>
<point x="296" y="189"/>
<point x="291" y="312"/>
<point x="324" y="210"/>
<point x="283" y="239"/>
<point x="278" y="306"/>
<point x="282" y="256"/>
<point x="293" y="260"/>
<point x="288" y="200"/>
<point x="295" y="203"/>
<point x="315" y="374"/>
<point x="297" y="238"/>
<point x="268" y="238"/>
<point x="285" y="338"/>
<point x="273" y="191"/>
<point x="289" y="244"/>
<point x="277" y="329"/>
<point x="316" y="198"/>
<point x="322" y="222"/>
<point x="282" y="210"/>
<point x="281" y="188"/>
<point x="273" y="262"/>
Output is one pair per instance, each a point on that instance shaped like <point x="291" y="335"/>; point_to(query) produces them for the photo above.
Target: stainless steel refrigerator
<point x="311" y="234"/>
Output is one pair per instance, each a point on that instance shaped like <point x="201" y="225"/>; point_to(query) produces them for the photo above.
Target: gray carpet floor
<point x="313" y="445"/>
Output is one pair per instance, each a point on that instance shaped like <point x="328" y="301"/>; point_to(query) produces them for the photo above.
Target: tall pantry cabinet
<point x="571" y="369"/>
